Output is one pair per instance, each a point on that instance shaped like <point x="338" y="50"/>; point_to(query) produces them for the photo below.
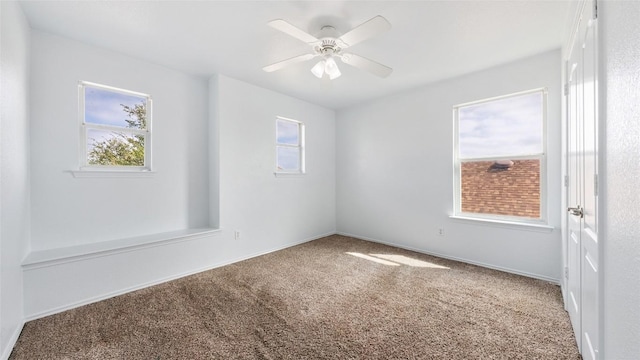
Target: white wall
<point x="271" y="212"/>
<point x="14" y="169"/>
<point x="71" y="211"/>
<point x="620" y="252"/>
<point x="394" y="171"/>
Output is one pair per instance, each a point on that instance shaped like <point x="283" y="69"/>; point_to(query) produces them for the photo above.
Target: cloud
<point x="104" y="107"/>
<point x="287" y="132"/>
<point x="501" y="128"/>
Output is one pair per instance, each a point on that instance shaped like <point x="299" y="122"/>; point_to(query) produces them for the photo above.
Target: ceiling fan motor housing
<point x="328" y="47"/>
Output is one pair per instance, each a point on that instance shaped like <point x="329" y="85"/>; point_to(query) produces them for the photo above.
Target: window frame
<point x="85" y="127"/>
<point x="542" y="157"/>
<point x="300" y="146"/>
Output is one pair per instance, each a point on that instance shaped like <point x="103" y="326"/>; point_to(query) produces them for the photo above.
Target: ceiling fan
<point x="330" y="45"/>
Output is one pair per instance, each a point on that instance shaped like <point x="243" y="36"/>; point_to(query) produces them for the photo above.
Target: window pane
<point x="288" y="158"/>
<point x="287" y="132"/>
<point x="510" y="188"/>
<point x="506" y="127"/>
<point x="114" y="148"/>
<point x="112" y="108"/>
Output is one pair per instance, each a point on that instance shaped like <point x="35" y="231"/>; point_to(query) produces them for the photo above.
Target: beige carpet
<point x="333" y="298"/>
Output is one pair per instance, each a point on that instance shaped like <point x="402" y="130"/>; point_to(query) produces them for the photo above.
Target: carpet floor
<point x="332" y="298"/>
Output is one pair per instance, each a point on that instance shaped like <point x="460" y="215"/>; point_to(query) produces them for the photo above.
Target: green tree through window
<point x="122" y="149"/>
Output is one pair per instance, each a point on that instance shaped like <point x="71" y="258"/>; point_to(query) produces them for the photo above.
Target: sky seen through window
<point x="288" y="133"/>
<point x="504" y="127"/>
<point x="104" y="107"/>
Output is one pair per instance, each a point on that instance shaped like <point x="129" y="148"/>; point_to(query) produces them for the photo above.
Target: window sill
<point x="111" y="173"/>
<point x="505" y="223"/>
<point x="286" y="174"/>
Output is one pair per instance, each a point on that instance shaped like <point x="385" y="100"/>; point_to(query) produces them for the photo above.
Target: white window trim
<point x="517" y="225"/>
<point x="543" y="221"/>
<point x="87" y="170"/>
<point x="301" y="146"/>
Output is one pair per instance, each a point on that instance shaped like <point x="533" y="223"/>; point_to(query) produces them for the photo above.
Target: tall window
<point x="115" y="128"/>
<point x="289" y="146"/>
<point x="500" y="157"/>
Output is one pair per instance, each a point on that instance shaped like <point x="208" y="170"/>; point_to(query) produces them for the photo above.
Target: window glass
<point x="106" y="147"/>
<point x="288" y="132"/>
<point x="106" y="107"/>
<point x="511" y="126"/>
<point x="289" y="146"/>
<point x="491" y="189"/>
<point x="288" y="158"/>
<point x="499" y="157"/>
<point x="115" y="127"/>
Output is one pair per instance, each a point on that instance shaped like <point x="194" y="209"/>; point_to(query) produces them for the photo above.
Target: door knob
<point x="576" y="211"/>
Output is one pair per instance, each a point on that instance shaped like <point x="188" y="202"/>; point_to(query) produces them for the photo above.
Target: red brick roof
<point x="514" y="191"/>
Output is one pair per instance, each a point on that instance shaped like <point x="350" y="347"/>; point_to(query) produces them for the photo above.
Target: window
<point x="115" y="128"/>
<point x="289" y="146"/>
<point x="499" y="158"/>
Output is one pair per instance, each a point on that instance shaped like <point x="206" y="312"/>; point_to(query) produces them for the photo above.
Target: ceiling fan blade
<point x="291" y="30"/>
<point x="369" y="29"/>
<point x="367" y="64"/>
<point x="284" y="63"/>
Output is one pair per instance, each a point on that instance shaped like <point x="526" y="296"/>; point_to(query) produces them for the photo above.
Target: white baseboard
<point x="455" y="258"/>
<point x="93" y="299"/>
<point x="12" y="342"/>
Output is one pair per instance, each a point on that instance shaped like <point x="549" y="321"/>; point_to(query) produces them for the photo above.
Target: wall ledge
<point x="68" y="285"/>
<point x="55" y="256"/>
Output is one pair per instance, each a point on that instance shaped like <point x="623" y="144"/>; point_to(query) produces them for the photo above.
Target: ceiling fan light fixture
<point x="318" y="69"/>
<point x="331" y="68"/>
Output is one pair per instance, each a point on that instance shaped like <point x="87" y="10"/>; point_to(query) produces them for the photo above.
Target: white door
<point x="574" y="107"/>
<point x="582" y="162"/>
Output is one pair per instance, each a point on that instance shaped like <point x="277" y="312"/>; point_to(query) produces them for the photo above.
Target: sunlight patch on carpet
<point x="396" y="260"/>
<point x="374" y="259"/>
<point x="405" y="260"/>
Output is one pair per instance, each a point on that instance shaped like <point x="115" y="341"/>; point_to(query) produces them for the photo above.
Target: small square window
<point x="289" y="146"/>
<point x="115" y="128"/>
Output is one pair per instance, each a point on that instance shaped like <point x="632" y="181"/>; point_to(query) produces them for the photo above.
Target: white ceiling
<point x="428" y="41"/>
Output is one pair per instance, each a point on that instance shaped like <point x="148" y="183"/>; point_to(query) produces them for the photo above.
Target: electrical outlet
<point x="236" y="234"/>
<point x="441" y="232"/>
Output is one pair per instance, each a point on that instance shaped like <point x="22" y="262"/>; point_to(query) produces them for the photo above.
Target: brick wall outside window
<point x="512" y="192"/>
